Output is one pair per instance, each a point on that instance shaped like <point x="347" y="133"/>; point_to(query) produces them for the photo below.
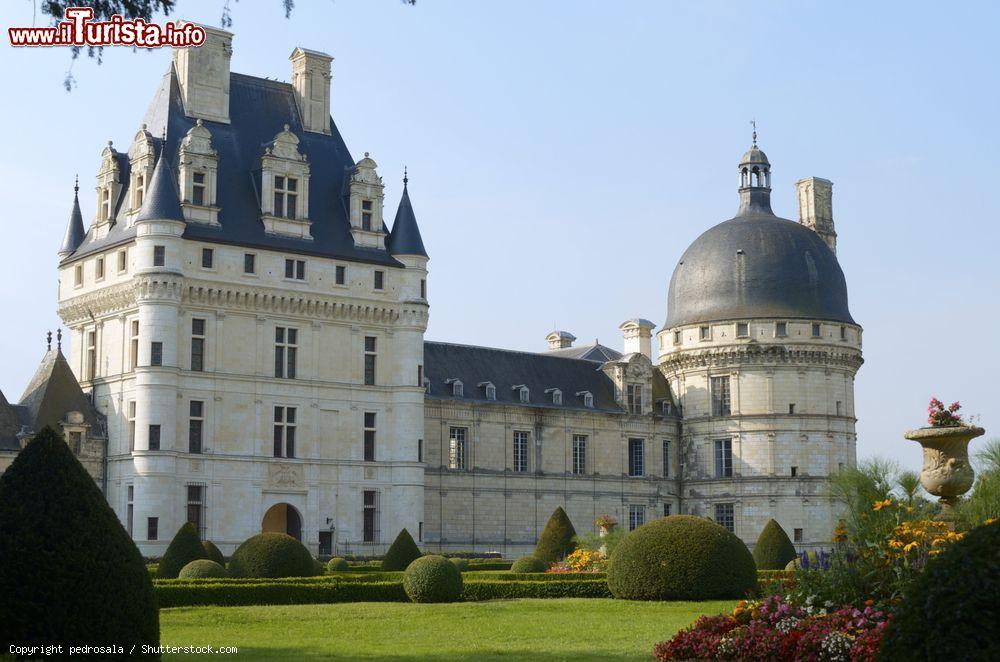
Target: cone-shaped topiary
<point x="557" y="539"/>
<point x="681" y="557"/>
<point x="773" y="550"/>
<point x="69" y="573"/>
<point x="432" y="579"/>
<point x="951" y="607"/>
<point x="202" y="568"/>
<point x="184" y="548"/>
<point x="272" y="555"/>
<point x="213" y="553"/>
<point x="402" y="552"/>
<point x="529" y="564"/>
<point x="337" y="564"/>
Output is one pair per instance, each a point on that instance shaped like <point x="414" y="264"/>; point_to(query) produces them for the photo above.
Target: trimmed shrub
<point x="558" y="538"/>
<point x="202" y="568"/>
<point x="476" y="591"/>
<point x="950" y="609"/>
<point x="432" y="579"/>
<point x="529" y="564"/>
<point x="402" y="552"/>
<point x="681" y="557"/>
<point x="212" y="553"/>
<point x="337" y="564"/>
<point x="272" y="555"/>
<point x="184" y="548"/>
<point x="461" y="564"/>
<point x="69" y="572"/>
<point x="773" y="550"/>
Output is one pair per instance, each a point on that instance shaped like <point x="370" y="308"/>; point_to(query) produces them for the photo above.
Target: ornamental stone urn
<point x="946" y="473"/>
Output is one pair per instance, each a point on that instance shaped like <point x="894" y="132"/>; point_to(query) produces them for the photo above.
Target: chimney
<point x="311" y="82"/>
<point x="638" y="334"/>
<point x="560" y="339"/>
<point x="816" y="208"/>
<point x="203" y="75"/>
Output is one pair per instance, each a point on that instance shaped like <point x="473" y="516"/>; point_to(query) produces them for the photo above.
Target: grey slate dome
<point x="755" y="266"/>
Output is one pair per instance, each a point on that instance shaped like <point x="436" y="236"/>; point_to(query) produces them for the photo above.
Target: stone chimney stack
<point x="311" y="82"/>
<point x="203" y="74"/>
<point x="638" y="334"/>
<point x="560" y="339"/>
<point x="816" y="208"/>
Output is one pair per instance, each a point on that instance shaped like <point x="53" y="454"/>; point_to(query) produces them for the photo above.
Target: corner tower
<point x="760" y="351"/>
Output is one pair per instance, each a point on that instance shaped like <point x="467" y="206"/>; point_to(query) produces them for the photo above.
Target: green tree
<point x="983" y="502"/>
<point x="401" y="553"/>
<point x="558" y="538"/>
<point x="184" y="548"/>
<point x="773" y="550"/>
<point x="69" y="572"/>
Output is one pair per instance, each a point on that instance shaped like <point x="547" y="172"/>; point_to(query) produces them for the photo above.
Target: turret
<point x="74" y="229"/>
<point x="405" y="237"/>
<point x="755" y="181"/>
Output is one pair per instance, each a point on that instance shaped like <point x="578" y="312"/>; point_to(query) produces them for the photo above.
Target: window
<point x="420" y="450"/>
<point x="366" y="215"/>
<point x="725" y="517"/>
<point x="122" y="261"/>
<point x="742" y="329"/>
<point x="159" y="256"/>
<point x="556" y="396"/>
<point x="133" y="348"/>
<point x="579" y="454"/>
<point x="207" y="258"/>
<point x="369" y="436"/>
<point x="634" y="398"/>
<point x="130" y="509"/>
<point x="370" y="523"/>
<point x="523" y="395"/>
<point x="677" y="337"/>
<point x="797" y="535"/>
<point x="791" y="408"/>
<point x="588" y="398"/>
<point x="155" y="353"/>
<point x="154" y="437"/>
<point x="667" y="509"/>
<point x="286" y="348"/>
<point x="295" y="269"/>
<point x="370" y="356"/>
<point x="198" y="188"/>
<point x="78" y="275"/>
<point x="795" y="472"/>
<point x="423" y="288"/>
<point x="720" y="396"/>
<point x="520" y="451"/>
<point x="420" y="531"/>
<point x="666" y="458"/>
<point x="105" y="204"/>
<point x="196" y="508"/>
<point x="840" y="407"/>
<point x="140" y="189"/>
<point x="196" y="424"/>
<point x="341" y="274"/>
<point x="723" y="458"/>
<point x="249" y="263"/>
<point x="379" y="280"/>
<point x="286" y="196"/>
<point x="420" y="375"/>
<point x="815" y="331"/>
<point x="705" y="333"/>
<point x="284" y="431"/>
<point x="131" y="425"/>
<point x="636" y="517"/>
<point x="843" y="333"/>
<point x="152" y="526"/>
<point x="91" y="355"/>
<point x="100" y="268"/>
<point x="491" y="392"/>
<point x="457" y="448"/>
<point x="76" y="441"/>
<point x="198" y="345"/>
<point x="457" y="388"/>
<point x="781" y="329"/>
<point x="636" y="459"/>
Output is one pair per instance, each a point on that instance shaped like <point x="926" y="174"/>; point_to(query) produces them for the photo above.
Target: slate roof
<point x="258" y="110"/>
<point x="507" y="368"/>
<point x="75" y="231"/>
<point x="405" y="236"/>
<point x="162" y="202"/>
<point x="53" y="392"/>
<point x="596" y="352"/>
<point x="10" y="425"/>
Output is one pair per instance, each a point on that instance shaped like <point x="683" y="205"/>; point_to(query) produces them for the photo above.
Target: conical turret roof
<point x="405" y="236"/>
<point x="74" y="229"/>
<point x="161" y="202"/>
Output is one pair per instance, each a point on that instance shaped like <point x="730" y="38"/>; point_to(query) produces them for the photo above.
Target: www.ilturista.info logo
<point x="79" y="29"/>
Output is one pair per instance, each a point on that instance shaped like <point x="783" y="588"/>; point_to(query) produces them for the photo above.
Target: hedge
<point x="476" y="591"/>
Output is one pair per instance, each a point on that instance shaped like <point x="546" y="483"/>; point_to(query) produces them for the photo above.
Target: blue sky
<point x="563" y="155"/>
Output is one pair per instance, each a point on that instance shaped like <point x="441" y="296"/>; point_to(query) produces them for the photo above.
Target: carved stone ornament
<point x="284" y="475"/>
<point x="946" y="473"/>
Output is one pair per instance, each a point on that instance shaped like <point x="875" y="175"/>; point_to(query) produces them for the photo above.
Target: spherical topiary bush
<point x="337" y="564"/>
<point x="184" y="548"/>
<point x="681" y="557"/>
<point x="773" y="550"/>
<point x="461" y="564"/>
<point x="212" y="553"/>
<point x="433" y="579"/>
<point x="202" y="568"/>
<point x="401" y="553"/>
<point x="272" y="555"/>
<point x="529" y="564"/>
<point x="951" y="608"/>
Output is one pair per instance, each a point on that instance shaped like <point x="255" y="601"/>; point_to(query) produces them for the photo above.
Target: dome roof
<point x="757" y="266"/>
<point x="755" y="155"/>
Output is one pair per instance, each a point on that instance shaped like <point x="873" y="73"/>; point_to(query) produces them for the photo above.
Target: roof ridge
<point x="264" y="82"/>
<point x="509" y="351"/>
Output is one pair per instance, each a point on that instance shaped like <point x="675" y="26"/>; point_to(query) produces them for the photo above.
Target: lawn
<point x="566" y="629"/>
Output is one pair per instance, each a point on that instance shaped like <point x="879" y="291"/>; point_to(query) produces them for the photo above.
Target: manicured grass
<point x="570" y="629"/>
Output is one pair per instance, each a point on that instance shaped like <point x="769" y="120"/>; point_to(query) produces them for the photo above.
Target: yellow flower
<point x="912" y="545"/>
<point x="879" y="505"/>
<point x="992" y="520"/>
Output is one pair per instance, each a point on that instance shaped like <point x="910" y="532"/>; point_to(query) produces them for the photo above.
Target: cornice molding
<point x="760" y="355"/>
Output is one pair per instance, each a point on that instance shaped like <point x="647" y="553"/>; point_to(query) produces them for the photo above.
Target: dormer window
<point x="285" y="187"/>
<point x="555" y="394"/>
<point x="523" y="395"/>
<point x="365" y="198"/>
<point x="366" y="215"/>
<point x="491" y="390"/>
<point x="588" y="398"/>
<point x="142" y="158"/>
<point x="286" y="195"/>
<point x="199" y="163"/>
<point x="457" y="388"/>
<point x="198" y="189"/>
<point x="105" y="212"/>
<point x="140" y="190"/>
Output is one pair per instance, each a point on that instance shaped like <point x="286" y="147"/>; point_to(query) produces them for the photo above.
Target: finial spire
<point x="76" y="185"/>
<point x="406" y="177"/>
<point x="753" y="123"/>
<point x="48" y="341"/>
<point x="58" y="339"/>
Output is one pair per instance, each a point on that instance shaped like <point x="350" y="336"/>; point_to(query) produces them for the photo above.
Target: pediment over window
<point x="285" y="146"/>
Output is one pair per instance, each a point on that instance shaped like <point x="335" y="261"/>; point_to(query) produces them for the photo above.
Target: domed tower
<point x="760" y="351"/>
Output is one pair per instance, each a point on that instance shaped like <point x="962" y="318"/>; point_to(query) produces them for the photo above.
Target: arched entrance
<point x="282" y="518"/>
